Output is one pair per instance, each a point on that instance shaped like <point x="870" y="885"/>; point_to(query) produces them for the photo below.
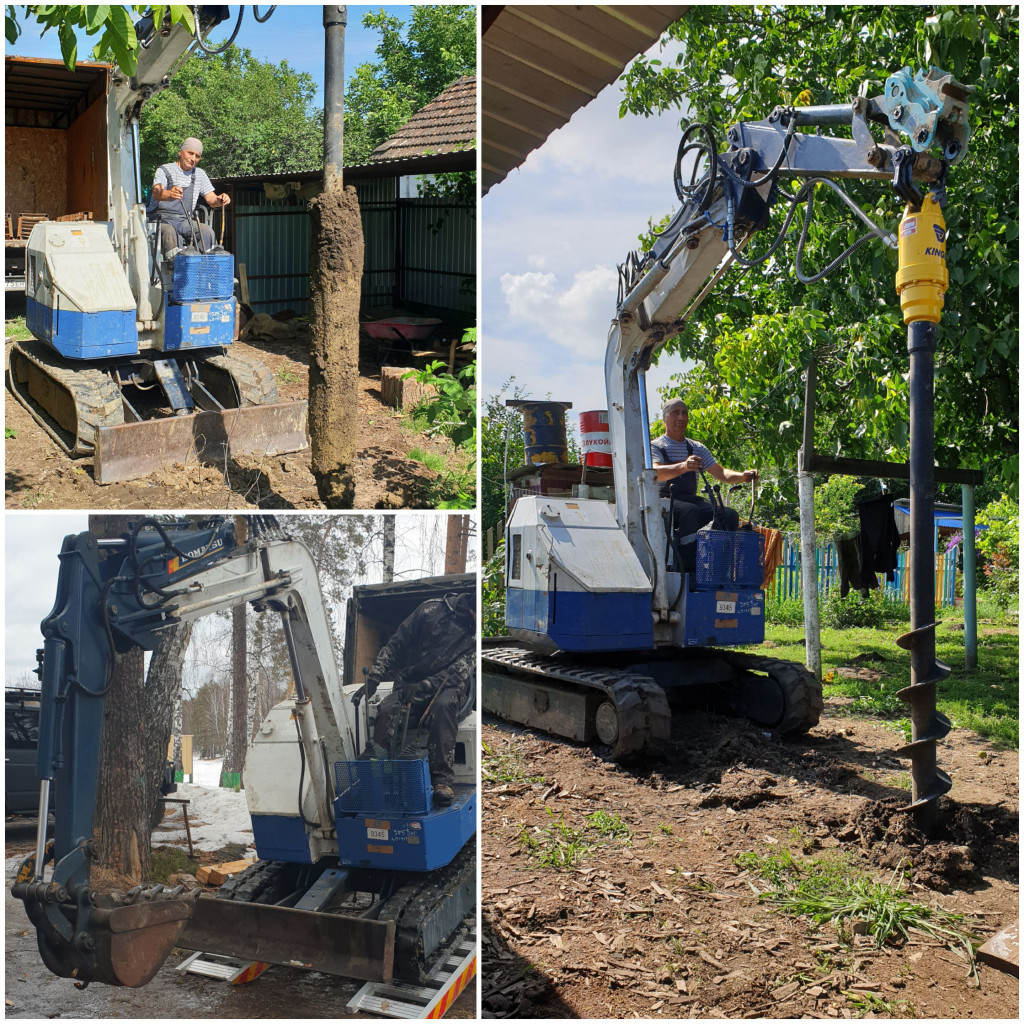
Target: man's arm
<point x="732" y="476"/>
<point x="214" y="200"/>
<point x="163" y="191"/>
<point x="670" y="470"/>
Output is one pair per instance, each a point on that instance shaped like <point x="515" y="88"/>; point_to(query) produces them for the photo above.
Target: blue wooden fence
<point x="788" y="576"/>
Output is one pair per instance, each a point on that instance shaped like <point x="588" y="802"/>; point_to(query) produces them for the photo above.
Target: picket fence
<point x="788" y="576"/>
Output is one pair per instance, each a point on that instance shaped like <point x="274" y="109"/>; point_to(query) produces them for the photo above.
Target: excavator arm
<point x="721" y="211"/>
<point x="151" y="579"/>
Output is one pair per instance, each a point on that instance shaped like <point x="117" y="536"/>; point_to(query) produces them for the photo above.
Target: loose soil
<point x="32" y="992"/>
<point x="669" y="926"/>
<point x="40" y="475"/>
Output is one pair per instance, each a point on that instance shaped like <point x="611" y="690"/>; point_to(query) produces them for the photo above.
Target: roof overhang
<point x="541" y="64"/>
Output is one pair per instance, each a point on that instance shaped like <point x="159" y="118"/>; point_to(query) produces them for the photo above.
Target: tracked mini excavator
<point x="131" y="359"/>
<point x="605" y="623"/>
<point x="359" y="874"/>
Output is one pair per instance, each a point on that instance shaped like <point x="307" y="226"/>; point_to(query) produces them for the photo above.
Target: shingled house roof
<point x="446" y="124"/>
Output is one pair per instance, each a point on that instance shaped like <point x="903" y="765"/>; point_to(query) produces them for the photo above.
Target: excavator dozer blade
<point x="353" y="947"/>
<point x="119" y="945"/>
<point x="132" y="450"/>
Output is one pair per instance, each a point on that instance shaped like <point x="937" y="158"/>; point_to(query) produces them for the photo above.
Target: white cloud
<point x="576" y="317"/>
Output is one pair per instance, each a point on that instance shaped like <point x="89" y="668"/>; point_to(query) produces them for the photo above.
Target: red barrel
<point x="595" y="441"/>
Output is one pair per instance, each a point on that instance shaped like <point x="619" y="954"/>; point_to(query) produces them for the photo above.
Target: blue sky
<point x="553" y="232"/>
<point x="294" y="33"/>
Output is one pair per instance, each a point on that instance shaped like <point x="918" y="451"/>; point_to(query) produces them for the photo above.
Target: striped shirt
<point x="169" y="175"/>
<point x="666" y="452"/>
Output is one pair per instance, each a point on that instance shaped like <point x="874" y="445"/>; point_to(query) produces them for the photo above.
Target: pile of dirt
<point x="40" y="475"/>
<point x="670" y="924"/>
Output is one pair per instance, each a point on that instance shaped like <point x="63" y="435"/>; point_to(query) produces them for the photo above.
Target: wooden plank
<point x="886" y="470"/>
<point x="1002" y="951"/>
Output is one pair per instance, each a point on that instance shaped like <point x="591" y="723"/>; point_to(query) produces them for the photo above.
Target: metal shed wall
<point x="416" y="251"/>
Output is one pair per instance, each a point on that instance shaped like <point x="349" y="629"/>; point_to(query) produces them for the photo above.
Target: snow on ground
<point x="216" y="816"/>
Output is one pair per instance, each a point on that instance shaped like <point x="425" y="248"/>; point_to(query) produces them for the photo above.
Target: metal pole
<point x="970" y="581"/>
<point x="335" y="20"/>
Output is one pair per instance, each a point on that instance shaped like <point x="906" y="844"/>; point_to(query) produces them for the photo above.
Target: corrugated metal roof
<point x="447" y="124"/>
<point x="541" y="64"/>
<point x="464" y="160"/>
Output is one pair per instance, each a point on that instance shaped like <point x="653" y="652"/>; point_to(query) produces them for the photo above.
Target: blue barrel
<point x="543" y="430"/>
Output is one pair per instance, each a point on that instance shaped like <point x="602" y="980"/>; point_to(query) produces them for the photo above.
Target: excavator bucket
<point x="99" y="938"/>
<point x="132" y="450"/>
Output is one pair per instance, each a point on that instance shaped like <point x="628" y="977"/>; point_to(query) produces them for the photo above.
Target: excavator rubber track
<point x="627" y="711"/>
<point x="69" y="403"/>
<point x="82" y="408"/>
<point x="568" y="696"/>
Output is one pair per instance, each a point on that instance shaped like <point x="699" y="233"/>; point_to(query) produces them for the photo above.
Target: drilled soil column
<point x="336" y="271"/>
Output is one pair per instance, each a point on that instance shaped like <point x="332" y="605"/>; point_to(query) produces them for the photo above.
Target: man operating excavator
<point x="432" y="659"/>
<point x="677" y="460"/>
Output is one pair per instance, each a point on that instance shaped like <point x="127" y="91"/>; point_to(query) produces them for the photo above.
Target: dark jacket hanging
<point x="879" y="540"/>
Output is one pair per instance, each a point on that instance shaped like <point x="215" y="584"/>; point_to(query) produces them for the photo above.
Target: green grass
<point x="560" y="845"/>
<point x="984" y="700"/>
<point x="508" y="767"/>
<point x="834" y="889"/>
<point x="285" y="376"/>
<point x="169" y="860"/>
<point x="15" y="329"/>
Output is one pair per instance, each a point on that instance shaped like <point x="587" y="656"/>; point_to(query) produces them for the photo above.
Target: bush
<point x="999" y="545"/>
<point x="788" y="611"/>
<point x="874" y="611"/>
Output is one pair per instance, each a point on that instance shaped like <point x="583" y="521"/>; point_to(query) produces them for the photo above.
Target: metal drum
<point x="543" y="430"/>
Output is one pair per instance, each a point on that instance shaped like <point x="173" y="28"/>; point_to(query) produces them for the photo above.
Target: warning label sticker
<point x="908" y="227"/>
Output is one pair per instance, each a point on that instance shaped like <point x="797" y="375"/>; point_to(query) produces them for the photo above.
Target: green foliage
<point x="788" y="611"/>
<point x="875" y="610"/>
<point x="252" y="117"/>
<point x="834" y="510"/>
<point x="757" y="331"/>
<point x="414" y="65"/>
<point x="9" y="433"/>
<point x="502" y="451"/>
<point x="493" y="593"/>
<point x="1000" y="546"/>
<point x="454" y="486"/>
<point x="115" y="24"/>
<point x="452" y="411"/>
<point x="15" y="329"/>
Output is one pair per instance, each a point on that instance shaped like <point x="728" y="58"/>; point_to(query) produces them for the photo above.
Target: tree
<point x="114" y="23"/>
<point x="238" y="730"/>
<point x="253" y="117"/>
<point x="438" y="47"/>
<point x="756" y="332"/>
<point x="122" y="821"/>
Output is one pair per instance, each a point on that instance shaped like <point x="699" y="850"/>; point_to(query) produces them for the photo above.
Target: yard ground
<point x="40" y="475"/>
<point x="659" y="915"/>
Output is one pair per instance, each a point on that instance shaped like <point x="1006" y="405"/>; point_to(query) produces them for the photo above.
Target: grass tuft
<point x="834" y="890"/>
<point x="559" y="845"/>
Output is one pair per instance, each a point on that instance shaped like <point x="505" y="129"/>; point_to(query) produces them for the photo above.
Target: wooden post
<point x="808" y="554"/>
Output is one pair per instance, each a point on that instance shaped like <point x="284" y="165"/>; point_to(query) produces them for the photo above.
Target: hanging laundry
<point x="772" y="553"/>
<point x="848" y="557"/>
<point x="879" y="541"/>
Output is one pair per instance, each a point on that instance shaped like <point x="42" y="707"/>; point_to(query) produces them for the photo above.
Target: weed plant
<point x="834" y="890"/>
<point x="560" y="845"/>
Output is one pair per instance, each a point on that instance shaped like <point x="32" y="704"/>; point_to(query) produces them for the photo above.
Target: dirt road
<point x="39" y="475"/>
<point x="658" y="917"/>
